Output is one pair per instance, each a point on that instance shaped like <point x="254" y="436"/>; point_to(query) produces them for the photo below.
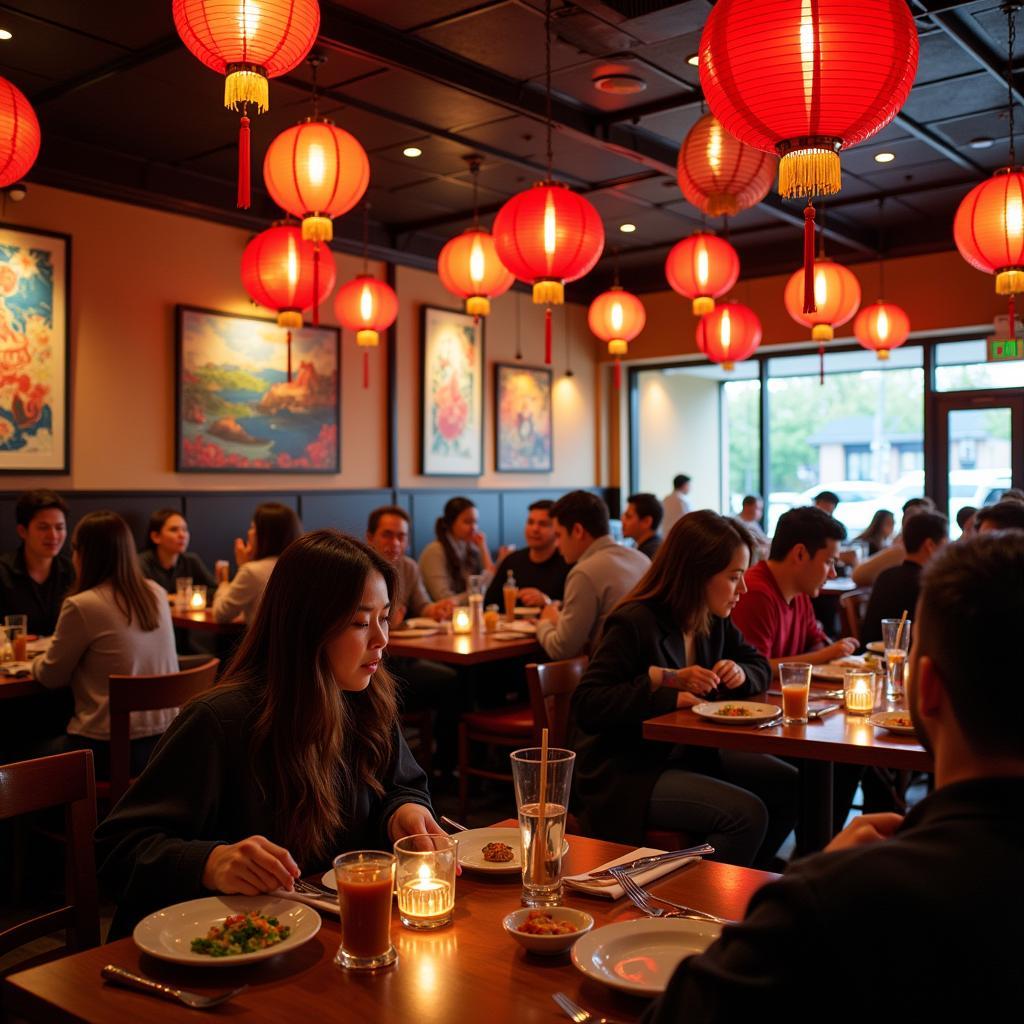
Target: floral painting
<point x="33" y="351"/>
<point x="523" y="419"/>
<point x="256" y="397"/>
<point x="452" y="393"/>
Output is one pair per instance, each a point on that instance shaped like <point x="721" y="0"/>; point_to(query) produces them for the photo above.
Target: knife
<point x="822" y="712"/>
<point x="656" y="858"/>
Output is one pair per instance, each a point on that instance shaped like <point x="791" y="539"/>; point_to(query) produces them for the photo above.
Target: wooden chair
<point x="145" y="693"/>
<point x="853" y="605"/>
<point x="509" y="728"/>
<point x="423" y="723"/>
<point x="68" y="781"/>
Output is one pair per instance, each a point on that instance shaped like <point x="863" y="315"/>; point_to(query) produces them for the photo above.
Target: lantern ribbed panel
<point x="989" y="224"/>
<point x="881" y="326"/>
<point x="851" y="82"/>
<point x="729" y="333"/>
<point x="836" y="293"/>
<point x="574" y="227"/>
<point x="274" y="35"/>
<point x="316" y="168"/>
<point x="719" y="174"/>
<point x="19" y="134"/>
<point x="277" y="269"/>
<point x="468" y="265"/>
<point x="366" y="304"/>
<point x="616" y="315"/>
<point x="702" y="265"/>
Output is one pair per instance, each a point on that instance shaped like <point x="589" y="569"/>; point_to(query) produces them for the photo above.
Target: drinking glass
<point x="426" y="880"/>
<point x="542" y="820"/>
<point x="365" y="880"/>
<point x="183" y="592"/>
<point x="859" y="691"/>
<point x="896" y="650"/>
<point x="17" y="621"/>
<point x="197" y="602"/>
<point x="17" y="633"/>
<point x="795" y="681"/>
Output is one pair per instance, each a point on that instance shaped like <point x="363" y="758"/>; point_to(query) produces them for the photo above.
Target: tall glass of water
<point x="897" y="645"/>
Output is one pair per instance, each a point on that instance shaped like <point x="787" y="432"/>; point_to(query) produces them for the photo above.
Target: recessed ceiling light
<point x="884" y="158"/>
<point x="627" y="229"/>
<point x="4" y="34"/>
<point x="982" y="142"/>
<point x="619" y="83"/>
<point x="693" y="59"/>
<point x="412" y="151"/>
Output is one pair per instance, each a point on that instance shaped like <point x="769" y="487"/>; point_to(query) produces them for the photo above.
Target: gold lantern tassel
<point x="478" y="305"/>
<point x="1009" y="281"/>
<point x="810" y="172"/>
<point x="702" y="305"/>
<point x="246" y="83"/>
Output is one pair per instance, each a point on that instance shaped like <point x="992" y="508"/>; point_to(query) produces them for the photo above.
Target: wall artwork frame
<point x="523" y="421"/>
<point x="451" y="393"/>
<point x="252" y="397"/>
<point x="35" y="393"/>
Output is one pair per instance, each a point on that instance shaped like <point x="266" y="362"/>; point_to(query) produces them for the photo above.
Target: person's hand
<point x="533" y="597"/>
<point x="243" y="552"/>
<point x="480" y="540"/>
<point x="504" y="550"/>
<point x="693" y="679"/>
<point x="551" y="613"/>
<point x="440" y="610"/>
<point x="729" y="674"/>
<point x="253" y="866"/>
<point x="413" y="820"/>
<point x="841" y="648"/>
<point x="687" y="700"/>
<point x="865" y="830"/>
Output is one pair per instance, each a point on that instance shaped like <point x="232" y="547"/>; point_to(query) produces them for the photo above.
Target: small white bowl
<point x="548" y="945"/>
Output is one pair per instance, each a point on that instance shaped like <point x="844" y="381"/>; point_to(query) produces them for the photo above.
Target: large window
<point x="741" y="438"/>
<point x="961" y="366"/>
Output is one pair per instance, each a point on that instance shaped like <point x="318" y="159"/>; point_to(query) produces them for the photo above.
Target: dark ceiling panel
<point x="127" y="24"/>
<point x="660" y="189"/>
<point x="671" y="56"/>
<point x="908" y="152"/>
<point x="941" y="58"/>
<point x="578" y="82"/>
<point x="522" y="136"/>
<point x="672" y="125"/>
<point x="959" y="96"/>
<point x="402" y="14"/>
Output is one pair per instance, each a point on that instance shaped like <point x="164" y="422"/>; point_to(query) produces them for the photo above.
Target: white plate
<point x="168" y="933"/>
<point x="526" y="612"/>
<point x="506" y="634"/>
<point x="712" y="711"/>
<point x="412" y="634"/>
<point x="472" y="841"/>
<point x="521" y="627"/>
<point x="876" y="647"/>
<point x="640" y="956"/>
<point x="836" y="670"/>
<point x="889" y="720"/>
<point x="422" y="622"/>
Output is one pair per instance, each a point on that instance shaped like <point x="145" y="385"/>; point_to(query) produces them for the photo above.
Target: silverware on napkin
<point x="644" y="863"/>
<point x="119" y="976"/>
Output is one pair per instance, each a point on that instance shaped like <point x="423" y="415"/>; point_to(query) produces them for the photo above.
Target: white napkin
<point x="614" y="892"/>
<point x="326" y="904"/>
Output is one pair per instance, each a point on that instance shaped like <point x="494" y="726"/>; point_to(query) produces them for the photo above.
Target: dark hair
<point x="873" y="535"/>
<point x="647" y="505"/>
<point x="925" y="504"/>
<point x="457" y="571"/>
<point x="276" y="526"/>
<point x="680" y="481"/>
<point x="106" y="554"/>
<point x="385" y="510"/>
<point x="924" y="526"/>
<point x="750" y="499"/>
<point x="157" y="521"/>
<point x="544" y="505"/>
<point x="312" y="743"/>
<point x="31" y="503"/>
<point x="1003" y="515"/>
<point x="965" y="515"/>
<point x="976" y="589"/>
<point x="830" y="496"/>
<point x="698" y="547"/>
<point x="584" y="508"/>
<point x="1012" y="494"/>
<point x="809" y="526"/>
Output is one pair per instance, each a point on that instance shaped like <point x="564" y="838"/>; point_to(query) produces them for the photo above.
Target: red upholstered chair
<point x="423" y="723"/>
<point x="853" y="605"/>
<point x="509" y="728"/>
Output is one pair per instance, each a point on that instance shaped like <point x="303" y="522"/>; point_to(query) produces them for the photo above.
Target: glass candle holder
<point x="198" y="600"/>
<point x="425" y="879"/>
<point x="462" y="620"/>
<point x="365" y="880"/>
<point x="859" y="691"/>
<point x="183" y="592"/>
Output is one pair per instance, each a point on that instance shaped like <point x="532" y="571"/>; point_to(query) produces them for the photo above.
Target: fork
<point x="312" y="889"/>
<point x="576" y="1012"/>
<point x="119" y="976"/>
<point x="642" y="898"/>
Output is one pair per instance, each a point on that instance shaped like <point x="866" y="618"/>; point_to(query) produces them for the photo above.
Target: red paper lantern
<point x="316" y="171"/>
<point x="617" y="317"/>
<point x="366" y="306"/>
<point x="547" y="236"/>
<point x="719" y="174"/>
<point x="989" y="229"/>
<point x="728" y="334"/>
<point x="19" y="134"/>
<point x="249" y="42"/>
<point x="881" y="327"/>
<point x="836" y="295"/>
<point x="702" y="267"/>
<point x="469" y="268"/>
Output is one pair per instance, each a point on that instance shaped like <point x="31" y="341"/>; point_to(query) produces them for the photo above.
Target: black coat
<point x="616" y="768"/>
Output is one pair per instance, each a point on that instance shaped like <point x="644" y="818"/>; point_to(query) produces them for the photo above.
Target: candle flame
<point x="423" y="872"/>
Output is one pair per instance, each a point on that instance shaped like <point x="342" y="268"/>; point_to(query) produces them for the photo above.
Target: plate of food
<point x="495" y="850"/>
<point x="639" y="956"/>
<point x="737" y="712"/>
<point x="894" y="721"/>
<point x="403" y="633"/>
<point x="509" y="634"/>
<point x="420" y="622"/>
<point x="526" y="612"/>
<point x="224" y="930"/>
<point x="521" y="627"/>
<point x="876" y="647"/>
<point x="836" y="670"/>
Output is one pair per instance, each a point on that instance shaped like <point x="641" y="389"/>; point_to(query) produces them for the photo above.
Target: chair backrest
<point x="853" y="605"/>
<point x="551" y="686"/>
<point x="68" y="781"/>
<point x="147" y="693"/>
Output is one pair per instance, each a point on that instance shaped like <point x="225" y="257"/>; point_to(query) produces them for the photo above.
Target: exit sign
<point x="1000" y="349"/>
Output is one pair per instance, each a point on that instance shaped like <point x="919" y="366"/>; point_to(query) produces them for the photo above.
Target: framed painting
<point x="452" y="393"/>
<point x="35" y="271"/>
<point x="522" y="419"/>
<point x="253" y="397"/>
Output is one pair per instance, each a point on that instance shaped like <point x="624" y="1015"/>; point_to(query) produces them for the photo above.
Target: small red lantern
<point x="366" y="306"/>
<point x="547" y="236"/>
<point x="19" y="134"/>
<point x="703" y="268"/>
<point x="836" y="295"/>
<point x="469" y="268"/>
<point x="881" y="327"/>
<point x="719" y="174"/>
<point x="728" y="334"/>
<point x="617" y="317"/>
<point x="249" y="42"/>
<point x="989" y="229"/>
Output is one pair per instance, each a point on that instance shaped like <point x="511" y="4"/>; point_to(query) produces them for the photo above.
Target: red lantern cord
<point x="366" y="369"/>
<point x="316" y="284"/>
<point x="618" y="374"/>
<point x="809" y="306"/>
<point x="244" y="161"/>
<point x="547" y="336"/>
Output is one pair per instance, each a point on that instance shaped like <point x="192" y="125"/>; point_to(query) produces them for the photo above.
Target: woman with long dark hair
<point x="879" y="532"/>
<point x="459" y="551"/>
<point x="114" y="622"/>
<point x="671" y="644"/>
<point x="167" y="558"/>
<point x="295" y="757"/>
<point x="274" y="526"/>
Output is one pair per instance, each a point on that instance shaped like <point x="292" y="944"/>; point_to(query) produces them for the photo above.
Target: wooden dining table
<point x="469" y="971"/>
<point x="464" y="649"/>
<point x="202" y="620"/>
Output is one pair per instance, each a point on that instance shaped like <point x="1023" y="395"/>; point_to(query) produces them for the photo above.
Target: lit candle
<point x="859" y="690"/>
<point x="425" y="900"/>
<point x="426" y="880"/>
<point x="462" y="621"/>
<point x="198" y="600"/>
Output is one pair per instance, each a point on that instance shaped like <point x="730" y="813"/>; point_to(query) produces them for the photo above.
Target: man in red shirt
<point x="775" y="615"/>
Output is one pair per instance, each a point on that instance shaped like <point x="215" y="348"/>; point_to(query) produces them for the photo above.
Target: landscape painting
<point x="255" y="397"/>
<point x="522" y="421"/>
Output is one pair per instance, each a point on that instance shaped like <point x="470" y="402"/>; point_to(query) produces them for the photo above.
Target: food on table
<point x="735" y="711"/>
<point x="900" y="721"/>
<point x="540" y="922"/>
<point x="241" y="933"/>
<point x="498" y="853"/>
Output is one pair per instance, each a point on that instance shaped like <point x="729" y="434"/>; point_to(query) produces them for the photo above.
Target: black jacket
<point x="616" y="768"/>
<point x="895" y="592"/>
<point x="199" y="790"/>
<point x="21" y="595"/>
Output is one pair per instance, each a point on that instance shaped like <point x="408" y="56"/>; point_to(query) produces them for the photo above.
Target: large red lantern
<point x="19" y="134"/>
<point x="366" y="306"/>
<point x="989" y="229"/>
<point x="469" y="268"/>
<point x="249" y="42"/>
<point x="617" y="317"/>
<point x="719" y="174"/>
<point x="702" y="267"/>
<point x="547" y="236"/>
<point x="881" y="327"/>
<point x="728" y="334"/>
